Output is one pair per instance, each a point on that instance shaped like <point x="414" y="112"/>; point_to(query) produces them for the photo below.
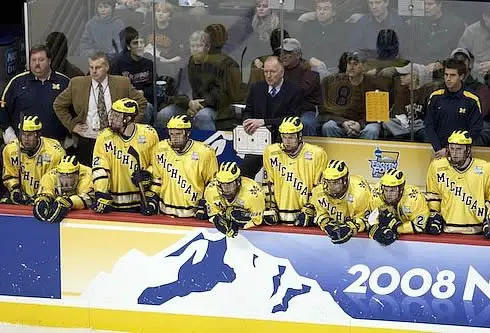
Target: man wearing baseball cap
<point x="467" y="57"/>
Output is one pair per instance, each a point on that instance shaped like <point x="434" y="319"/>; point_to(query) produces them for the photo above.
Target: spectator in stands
<point x="83" y="106"/>
<point x="131" y="63"/>
<point x="463" y="54"/>
<point x="349" y="11"/>
<point x="296" y="72"/>
<point x="132" y="14"/>
<point x="388" y="52"/>
<point x="101" y="32"/>
<point x="345" y="113"/>
<point x="323" y="39"/>
<point x="57" y="43"/>
<point x="452" y="108"/>
<point x="32" y="93"/>
<point x="365" y="31"/>
<point x="215" y="82"/>
<point x="484" y="95"/>
<point x="437" y="32"/>
<point x="342" y="66"/>
<point x="475" y="38"/>
<point x="268" y="102"/>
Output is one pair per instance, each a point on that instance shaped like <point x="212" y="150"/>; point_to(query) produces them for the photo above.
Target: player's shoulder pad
<point x="273" y="149"/>
<point x="204" y="147"/>
<point x="146" y="128"/>
<point x="314" y="148"/>
<point x="439" y="164"/>
<point x="251" y="186"/>
<point x="85" y="170"/>
<point x="52" y="143"/>
<point x="437" y="92"/>
<point x="106" y="133"/>
<point x="12" y="145"/>
<point x="317" y="190"/>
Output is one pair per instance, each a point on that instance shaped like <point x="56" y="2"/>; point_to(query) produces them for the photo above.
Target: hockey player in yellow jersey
<point x="38" y="154"/>
<point x="458" y="186"/>
<point x="341" y="202"/>
<point x="181" y="169"/>
<point x="121" y="159"/>
<point x="68" y="186"/>
<point x="234" y="202"/>
<point x="291" y="170"/>
<point x="397" y="208"/>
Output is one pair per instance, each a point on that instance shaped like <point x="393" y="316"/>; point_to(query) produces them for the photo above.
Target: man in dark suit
<point x="268" y="103"/>
<point x="84" y="105"/>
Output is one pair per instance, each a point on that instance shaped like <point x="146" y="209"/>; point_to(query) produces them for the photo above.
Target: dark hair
<point x="452" y="63"/>
<point x="343" y="62"/>
<point x="127" y="35"/>
<point x="40" y="48"/>
<point x="57" y="44"/>
<point x="275" y="40"/>
<point x="387" y="44"/>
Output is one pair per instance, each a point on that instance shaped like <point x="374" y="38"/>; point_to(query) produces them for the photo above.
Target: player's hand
<point x="251" y="125"/>
<point x="340" y="232"/>
<point x="225" y="226"/>
<point x="151" y="207"/>
<point x="440" y="153"/>
<point x="435" y="224"/>
<point x="42" y="206"/>
<point x="383" y="235"/>
<point x="315" y="62"/>
<point x="389" y="220"/>
<point x="486" y="229"/>
<point x="102" y="203"/>
<point x="19" y="198"/>
<point x="61" y="206"/>
<point x="202" y="210"/>
<point x="306" y="217"/>
<point x="271" y="216"/>
<point x="141" y="177"/>
<point x="80" y="129"/>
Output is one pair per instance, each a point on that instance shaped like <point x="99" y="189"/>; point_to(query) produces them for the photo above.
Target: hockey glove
<point x="435" y="224"/>
<point x="383" y="235"/>
<point x="202" y="210"/>
<point x="18" y="197"/>
<point x="61" y="206"/>
<point x="389" y="220"/>
<point x="225" y="226"/>
<point x="486" y="229"/>
<point x="151" y="207"/>
<point x="141" y="177"/>
<point x="238" y="215"/>
<point x="102" y="203"/>
<point x="340" y="232"/>
<point x="306" y="217"/>
<point x="42" y="205"/>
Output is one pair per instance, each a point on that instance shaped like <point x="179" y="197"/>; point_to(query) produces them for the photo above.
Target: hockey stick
<point x="19" y="153"/>
<point x="241" y="64"/>
<point x="134" y="153"/>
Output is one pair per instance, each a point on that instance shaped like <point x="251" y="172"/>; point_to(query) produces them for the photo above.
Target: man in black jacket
<point x="268" y="103"/>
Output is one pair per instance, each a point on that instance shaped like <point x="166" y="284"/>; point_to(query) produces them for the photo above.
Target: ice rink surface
<point x="8" y="328"/>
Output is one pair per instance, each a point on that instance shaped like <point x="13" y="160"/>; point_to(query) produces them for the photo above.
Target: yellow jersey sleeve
<point x="433" y="195"/>
<point x="11" y="165"/>
<point x="213" y="198"/>
<point x="85" y="190"/>
<point x="254" y="199"/>
<point x="101" y="165"/>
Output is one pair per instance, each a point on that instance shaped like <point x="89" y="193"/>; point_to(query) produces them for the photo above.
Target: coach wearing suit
<point x="268" y="103"/>
<point x="84" y="105"/>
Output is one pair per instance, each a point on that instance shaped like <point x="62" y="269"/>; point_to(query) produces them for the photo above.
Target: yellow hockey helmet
<point x="125" y="105"/>
<point x="393" y="177"/>
<point x="335" y="170"/>
<point x="460" y="138"/>
<point x="228" y="172"/>
<point x="291" y="125"/>
<point x="31" y="124"/>
<point x="179" y="122"/>
<point x="69" y="164"/>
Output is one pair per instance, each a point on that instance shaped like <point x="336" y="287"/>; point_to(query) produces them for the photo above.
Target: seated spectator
<point x="388" y="52"/>
<point x="57" y="44"/>
<point x="475" y="38"/>
<point x="345" y="97"/>
<point x="268" y="103"/>
<point x="484" y="94"/>
<point x="346" y="11"/>
<point x="452" y="108"/>
<point x="296" y="72"/>
<point x="101" y="32"/>
<point x="437" y="32"/>
<point x="323" y="39"/>
<point x="131" y="14"/>
<point x="131" y="63"/>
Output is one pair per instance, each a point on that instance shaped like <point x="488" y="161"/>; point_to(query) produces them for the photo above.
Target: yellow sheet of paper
<point x="377" y="106"/>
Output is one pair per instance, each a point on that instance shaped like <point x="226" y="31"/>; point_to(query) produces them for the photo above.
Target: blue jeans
<point x="310" y="123"/>
<point x="370" y="132"/>
<point x="203" y="119"/>
<point x="163" y="116"/>
<point x="149" y="116"/>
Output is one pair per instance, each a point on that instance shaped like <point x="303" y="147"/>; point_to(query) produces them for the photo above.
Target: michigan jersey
<point x="353" y="205"/>
<point x="250" y="197"/>
<point x="288" y="181"/>
<point x="412" y="209"/>
<point x="179" y="179"/>
<point x="33" y="168"/>
<point x="51" y="187"/>
<point x="459" y="196"/>
<point x="116" y="158"/>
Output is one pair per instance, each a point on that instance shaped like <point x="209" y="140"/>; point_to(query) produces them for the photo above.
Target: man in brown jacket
<point x="84" y="105"/>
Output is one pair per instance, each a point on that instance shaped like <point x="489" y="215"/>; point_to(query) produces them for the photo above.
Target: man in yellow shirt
<point x="67" y="187"/>
<point x="234" y="201"/>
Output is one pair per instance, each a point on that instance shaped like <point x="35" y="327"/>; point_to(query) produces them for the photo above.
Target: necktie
<point x="101" y="109"/>
<point x="273" y="92"/>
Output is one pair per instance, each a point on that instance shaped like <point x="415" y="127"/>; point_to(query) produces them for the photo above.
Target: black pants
<point x="250" y="165"/>
<point x="85" y="151"/>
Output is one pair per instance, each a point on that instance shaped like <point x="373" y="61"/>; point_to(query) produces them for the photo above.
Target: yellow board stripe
<point x="151" y="322"/>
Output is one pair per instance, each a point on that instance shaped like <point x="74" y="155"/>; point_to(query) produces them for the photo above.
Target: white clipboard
<point x="251" y="144"/>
